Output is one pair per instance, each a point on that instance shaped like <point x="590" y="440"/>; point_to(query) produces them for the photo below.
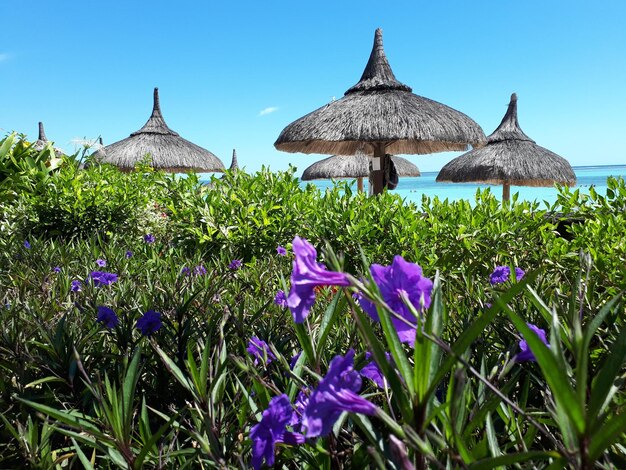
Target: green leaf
<point x="128" y="391"/>
<point x="395" y="348"/>
<point x="511" y="459"/>
<point x="305" y="342"/>
<point x="427" y="355"/>
<point x="554" y="375"/>
<point x="610" y="432"/>
<point x="174" y="370"/>
<point x="81" y="456"/>
<point x="43" y="381"/>
<point x="378" y="351"/>
<point x="74" y="419"/>
<point x="138" y="464"/>
<point x="605" y="378"/>
<point x="477" y="328"/>
<point x="330" y="316"/>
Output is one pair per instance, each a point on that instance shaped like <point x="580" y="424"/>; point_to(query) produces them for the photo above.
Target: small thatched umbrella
<point x="378" y="116"/>
<point x="353" y="166"/>
<point x="169" y="151"/>
<point x="234" y="166"/>
<point x="509" y="158"/>
<point x="42" y="141"/>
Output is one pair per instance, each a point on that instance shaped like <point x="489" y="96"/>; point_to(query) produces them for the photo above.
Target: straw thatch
<point x="354" y="166"/>
<point x="380" y="110"/>
<point x="509" y="158"/>
<point x="234" y="166"/>
<point x="168" y="150"/>
<point x="42" y="141"/>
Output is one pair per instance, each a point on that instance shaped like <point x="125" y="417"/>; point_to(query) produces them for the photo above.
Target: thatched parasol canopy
<point x="378" y="116"/>
<point x="353" y="166"/>
<point x="509" y="158"/>
<point x="169" y="151"/>
<point x="234" y="166"/>
<point x="42" y="141"/>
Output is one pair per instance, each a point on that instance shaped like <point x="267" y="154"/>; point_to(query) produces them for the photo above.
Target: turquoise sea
<point x="412" y="189"/>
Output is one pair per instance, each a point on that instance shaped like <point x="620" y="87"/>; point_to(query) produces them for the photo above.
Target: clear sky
<point x="234" y="74"/>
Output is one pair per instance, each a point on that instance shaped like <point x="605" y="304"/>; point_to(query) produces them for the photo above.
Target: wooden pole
<point x="377" y="168"/>
<point x="506" y="192"/>
<point x="359" y="184"/>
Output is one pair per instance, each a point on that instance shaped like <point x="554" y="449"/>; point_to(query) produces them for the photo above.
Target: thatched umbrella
<point x="234" y="166"/>
<point x="379" y="116"/>
<point x="353" y="166"/>
<point x="42" y="141"/>
<point x="169" y="151"/>
<point x="509" y="158"/>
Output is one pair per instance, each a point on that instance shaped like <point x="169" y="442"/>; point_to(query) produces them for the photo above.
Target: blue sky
<point x="88" y="68"/>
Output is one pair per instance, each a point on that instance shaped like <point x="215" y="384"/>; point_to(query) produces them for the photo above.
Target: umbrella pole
<point x="359" y="184"/>
<point x="506" y="192"/>
<point x="377" y="169"/>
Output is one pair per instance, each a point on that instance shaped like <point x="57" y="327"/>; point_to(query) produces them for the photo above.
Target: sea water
<point x="412" y="189"/>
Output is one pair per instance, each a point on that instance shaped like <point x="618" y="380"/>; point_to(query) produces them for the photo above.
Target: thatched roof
<point x="353" y="166"/>
<point x="233" y="164"/>
<point x="42" y="141"/>
<point x="380" y="109"/>
<point x="510" y="157"/>
<point x="168" y="150"/>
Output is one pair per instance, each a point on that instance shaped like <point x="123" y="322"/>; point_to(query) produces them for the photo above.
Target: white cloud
<point x="269" y="110"/>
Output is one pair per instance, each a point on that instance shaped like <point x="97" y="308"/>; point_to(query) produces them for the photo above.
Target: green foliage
<point x="22" y="168"/>
<point x="74" y="393"/>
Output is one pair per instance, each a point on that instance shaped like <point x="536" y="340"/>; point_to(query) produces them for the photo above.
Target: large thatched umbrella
<point x="353" y="166"/>
<point x="509" y="158"/>
<point x="379" y="116"/>
<point x="169" y="151"/>
<point x="42" y="141"/>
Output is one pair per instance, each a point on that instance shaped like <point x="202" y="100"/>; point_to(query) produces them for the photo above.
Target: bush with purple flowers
<point x="388" y="359"/>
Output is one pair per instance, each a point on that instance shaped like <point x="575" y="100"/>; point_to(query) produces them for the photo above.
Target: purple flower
<point x="294" y="359"/>
<point x="186" y="271"/>
<point x="502" y="274"/>
<point x="401" y="281"/>
<point x="76" y="286"/>
<point x="260" y="351"/>
<point x="525" y="353"/>
<point x="306" y="275"/>
<point x="107" y="317"/>
<point x="129" y="254"/>
<point x="271" y="430"/>
<point x="148" y="238"/>
<point x="149" y="323"/>
<point x="57" y="269"/>
<point x="26" y="244"/>
<point x="281" y="251"/>
<point x="101" y="278"/>
<point x="336" y="393"/>
<point x="199" y="270"/>
<point x="280" y="299"/>
<point x="100" y="262"/>
<point x="373" y="372"/>
<point x="235" y="264"/>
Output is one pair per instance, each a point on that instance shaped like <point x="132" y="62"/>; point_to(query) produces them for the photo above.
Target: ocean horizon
<point x="414" y="188"/>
